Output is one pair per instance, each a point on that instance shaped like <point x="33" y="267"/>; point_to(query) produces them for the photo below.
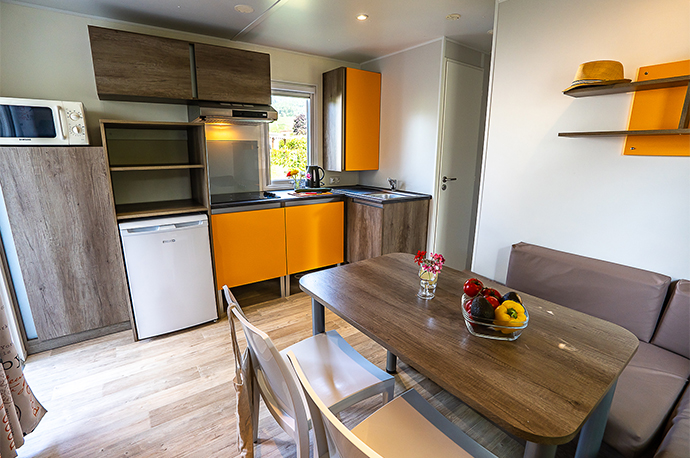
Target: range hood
<point x="222" y="112"/>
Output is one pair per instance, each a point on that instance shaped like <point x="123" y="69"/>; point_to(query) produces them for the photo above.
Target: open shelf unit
<point x="660" y="83"/>
<point x="156" y="168"/>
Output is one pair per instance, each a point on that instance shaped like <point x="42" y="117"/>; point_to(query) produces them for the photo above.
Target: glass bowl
<point x="488" y="329"/>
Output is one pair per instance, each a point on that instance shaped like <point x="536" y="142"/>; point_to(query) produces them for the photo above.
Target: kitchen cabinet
<point x="156" y="169"/>
<point x="232" y="75"/>
<point x="351" y="119"/>
<point x="136" y="67"/>
<point x="315" y="235"/>
<point x="249" y="246"/>
<point x="375" y="229"/>
<point x="60" y="211"/>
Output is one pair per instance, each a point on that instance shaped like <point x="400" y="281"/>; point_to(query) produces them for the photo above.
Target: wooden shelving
<point x="132" y="168"/>
<point x="156" y="169"/>
<point x="160" y="208"/>
<point x="660" y="83"/>
<point x="619" y="133"/>
<point x="629" y="87"/>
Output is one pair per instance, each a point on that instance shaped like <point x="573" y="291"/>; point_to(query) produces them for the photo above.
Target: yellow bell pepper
<point x="509" y="313"/>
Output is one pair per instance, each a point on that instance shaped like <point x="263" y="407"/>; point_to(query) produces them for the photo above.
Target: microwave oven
<point x="41" y="122"/>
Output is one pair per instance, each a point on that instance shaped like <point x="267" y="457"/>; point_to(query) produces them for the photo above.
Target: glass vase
<point x="427" y="284"/>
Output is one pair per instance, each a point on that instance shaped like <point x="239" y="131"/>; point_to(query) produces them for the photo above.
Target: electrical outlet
<point x="333" y="180"/>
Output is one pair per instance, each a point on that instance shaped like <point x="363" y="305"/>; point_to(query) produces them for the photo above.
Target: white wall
<point x="46" y="54"/>
<point x="579" y="195"/>
<point x="410" y="88"/>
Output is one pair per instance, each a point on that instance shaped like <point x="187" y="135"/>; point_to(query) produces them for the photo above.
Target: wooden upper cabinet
<point x="352" y="119"/>
<point x="136" y="67"/>
<point x="232" y="75"/>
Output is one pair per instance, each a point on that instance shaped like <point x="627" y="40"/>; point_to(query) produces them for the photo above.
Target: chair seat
<point x="409" y="426"/>
<point x="338" y="373"/>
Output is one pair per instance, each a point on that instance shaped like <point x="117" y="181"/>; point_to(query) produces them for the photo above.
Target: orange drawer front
<point x="249" y="246"/>
<point x="315" y="236"/>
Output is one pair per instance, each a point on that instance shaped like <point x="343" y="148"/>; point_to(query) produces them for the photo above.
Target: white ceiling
<point x="323" y="27"/>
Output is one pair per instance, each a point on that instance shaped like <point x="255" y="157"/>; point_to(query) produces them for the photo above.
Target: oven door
<point x="32" y="122"/>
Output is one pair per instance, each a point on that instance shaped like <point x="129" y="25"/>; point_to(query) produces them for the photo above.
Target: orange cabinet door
<point x="314" y="236"/>
<point x="362" y="119"/>
<point x="249" y="246"/>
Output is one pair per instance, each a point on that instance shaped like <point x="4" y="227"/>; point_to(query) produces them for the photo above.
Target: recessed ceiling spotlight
<point x="244" y="9"/>
<point x="453" y="17"/>
<point x="362" y="17"/>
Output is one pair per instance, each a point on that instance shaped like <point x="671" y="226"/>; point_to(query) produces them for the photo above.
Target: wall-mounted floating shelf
<point x="630" y="87"/>
<point x="619" y="133"/>
<point x="659" y="83"/>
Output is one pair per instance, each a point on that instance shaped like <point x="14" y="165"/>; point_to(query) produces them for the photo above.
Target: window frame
<point x="300" y="90"/>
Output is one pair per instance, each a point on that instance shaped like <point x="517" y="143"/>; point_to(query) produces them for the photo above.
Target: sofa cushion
<point x="646" y="392"/>
<point x="676" y="443"/>
<point x="673" y="332"/>
<point x="629" y="297"/>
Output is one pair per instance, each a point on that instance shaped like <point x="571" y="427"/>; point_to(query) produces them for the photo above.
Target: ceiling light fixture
<point x="453" y="17"/>
<point x="362" y="17"/>
<point x="246" y="9"/>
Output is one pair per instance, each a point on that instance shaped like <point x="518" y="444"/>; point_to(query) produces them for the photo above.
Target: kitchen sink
<point x="384" y="195"/>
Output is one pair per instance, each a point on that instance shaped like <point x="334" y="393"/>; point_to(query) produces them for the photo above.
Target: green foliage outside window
<point x="291" y="154"/>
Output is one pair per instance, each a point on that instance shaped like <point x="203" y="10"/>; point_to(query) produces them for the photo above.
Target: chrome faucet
<point x="393" y="184"/>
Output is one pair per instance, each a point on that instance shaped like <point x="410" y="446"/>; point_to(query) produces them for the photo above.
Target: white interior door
<point x="460" y="154"/>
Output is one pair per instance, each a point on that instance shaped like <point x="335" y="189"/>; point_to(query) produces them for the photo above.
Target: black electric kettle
<point x="315" y="180"/>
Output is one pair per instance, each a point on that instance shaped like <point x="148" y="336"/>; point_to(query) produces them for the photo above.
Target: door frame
<point x="431" y="243"/>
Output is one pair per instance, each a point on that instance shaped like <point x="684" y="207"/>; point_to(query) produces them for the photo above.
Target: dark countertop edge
<point x="352" y="195"/>
<point x="284" y="196"/>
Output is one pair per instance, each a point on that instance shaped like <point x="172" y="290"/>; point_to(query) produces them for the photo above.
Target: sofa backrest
<point x="629" y="297"/>
<point x="673" y="332"/>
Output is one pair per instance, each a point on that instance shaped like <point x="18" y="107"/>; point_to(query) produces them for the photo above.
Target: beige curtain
<point x="20" y="410"/>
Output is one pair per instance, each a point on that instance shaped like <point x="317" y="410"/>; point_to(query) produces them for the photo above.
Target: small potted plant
<point x="429" y="268"/>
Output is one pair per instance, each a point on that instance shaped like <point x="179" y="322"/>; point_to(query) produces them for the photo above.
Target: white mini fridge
<point x="168" y="263"/>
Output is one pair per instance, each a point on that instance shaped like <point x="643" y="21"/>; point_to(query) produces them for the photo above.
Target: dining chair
<point x="341" y="376"/>
<point x="408" y="426"/>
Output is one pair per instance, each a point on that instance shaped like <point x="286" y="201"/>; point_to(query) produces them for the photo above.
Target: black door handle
<point x="446" y="179"/>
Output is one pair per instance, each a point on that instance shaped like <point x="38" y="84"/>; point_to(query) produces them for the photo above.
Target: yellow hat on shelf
<point x="598" y="73"/>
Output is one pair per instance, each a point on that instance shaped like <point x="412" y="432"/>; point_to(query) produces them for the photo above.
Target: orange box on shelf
<point x="658" y="109"/>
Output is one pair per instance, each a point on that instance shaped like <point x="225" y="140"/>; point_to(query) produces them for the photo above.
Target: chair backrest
<point x="347" y="444"/>
<point x="231" y="301"/>
<point x="276" y="383"/>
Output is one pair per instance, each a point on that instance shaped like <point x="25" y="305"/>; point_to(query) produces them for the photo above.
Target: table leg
<point x="592" y="431"/>
<point x="318" y="317"/>
<point x="534" y="450"/>
<point x="391" y="363"/>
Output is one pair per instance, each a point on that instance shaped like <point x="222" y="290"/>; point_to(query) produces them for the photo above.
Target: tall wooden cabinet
<point x="60" y="211"/>
<point x="351" y="119"/>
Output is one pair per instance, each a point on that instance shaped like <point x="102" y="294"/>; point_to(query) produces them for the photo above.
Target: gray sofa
<point x="650" y="413"/>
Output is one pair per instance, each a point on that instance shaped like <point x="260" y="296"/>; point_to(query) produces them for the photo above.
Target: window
<point x="291" y="136"/>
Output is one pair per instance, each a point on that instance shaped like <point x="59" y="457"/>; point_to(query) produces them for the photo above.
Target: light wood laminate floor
<point x="172" y="396"/>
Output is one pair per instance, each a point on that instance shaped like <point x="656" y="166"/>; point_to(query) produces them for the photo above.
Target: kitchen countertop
<point x="367" y="193"/>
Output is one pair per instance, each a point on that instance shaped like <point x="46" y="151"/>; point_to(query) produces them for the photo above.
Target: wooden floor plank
<point x="172" y="396"/>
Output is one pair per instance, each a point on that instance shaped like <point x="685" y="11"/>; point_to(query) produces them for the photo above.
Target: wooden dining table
<point x="555" y="380"/>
